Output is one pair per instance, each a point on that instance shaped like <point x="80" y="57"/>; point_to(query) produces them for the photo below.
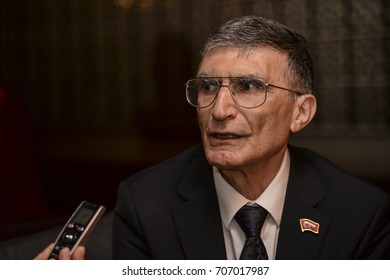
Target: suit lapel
<point x="198" y="222"/>
<point x="197" y="218"/>
<point x="304" y="192"/>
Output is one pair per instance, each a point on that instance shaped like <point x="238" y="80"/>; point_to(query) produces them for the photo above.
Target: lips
<point x="225" y="136"/>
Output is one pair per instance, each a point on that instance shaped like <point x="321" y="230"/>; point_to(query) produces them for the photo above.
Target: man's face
<point x="235" y="137"/>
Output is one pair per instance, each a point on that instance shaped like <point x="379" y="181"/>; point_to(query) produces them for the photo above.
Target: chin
<point x="222" y="159"/>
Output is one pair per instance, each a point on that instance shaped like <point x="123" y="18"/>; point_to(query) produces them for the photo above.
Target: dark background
<point x="92" y="91"/>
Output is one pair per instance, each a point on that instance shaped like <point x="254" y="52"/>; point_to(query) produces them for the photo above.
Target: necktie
<point x="251" y="219"/>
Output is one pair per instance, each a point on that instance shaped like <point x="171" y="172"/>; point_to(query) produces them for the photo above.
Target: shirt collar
<point x="272" y="199"/>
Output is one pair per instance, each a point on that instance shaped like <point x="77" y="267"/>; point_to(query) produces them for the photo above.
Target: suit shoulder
<point x="168" y="171"/>
<point x="335" y="177"/>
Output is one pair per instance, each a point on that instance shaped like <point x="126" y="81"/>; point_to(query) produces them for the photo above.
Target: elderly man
<point x="245" y="193"/>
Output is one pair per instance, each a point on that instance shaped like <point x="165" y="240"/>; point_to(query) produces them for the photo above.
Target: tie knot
<point x="251" y="219"/>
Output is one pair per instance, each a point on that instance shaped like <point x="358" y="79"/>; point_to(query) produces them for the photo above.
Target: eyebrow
<point x="253" y="76"/>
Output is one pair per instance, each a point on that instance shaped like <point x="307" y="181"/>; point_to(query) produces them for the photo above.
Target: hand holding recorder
<point x="78" y="253"/>
<point x="69" y="244"/>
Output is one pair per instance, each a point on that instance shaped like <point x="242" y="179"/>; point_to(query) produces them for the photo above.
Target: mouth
<point x="224" y="136"/>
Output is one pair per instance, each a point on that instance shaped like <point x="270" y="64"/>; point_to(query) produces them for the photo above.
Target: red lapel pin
<point x="309" y="225"/>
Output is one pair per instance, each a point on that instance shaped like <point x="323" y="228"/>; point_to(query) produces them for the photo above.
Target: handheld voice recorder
<point x="78" y="228"/>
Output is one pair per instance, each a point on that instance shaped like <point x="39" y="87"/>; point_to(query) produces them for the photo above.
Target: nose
<point x="224" y="106"/>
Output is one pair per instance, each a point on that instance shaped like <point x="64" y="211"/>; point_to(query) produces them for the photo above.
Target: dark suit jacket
<point x="171" y="211"/>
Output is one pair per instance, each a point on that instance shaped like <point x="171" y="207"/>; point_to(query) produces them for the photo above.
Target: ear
<point x="306" y="107"/>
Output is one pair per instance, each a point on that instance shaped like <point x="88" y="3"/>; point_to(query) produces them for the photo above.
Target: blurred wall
<point x="103" y="82"/>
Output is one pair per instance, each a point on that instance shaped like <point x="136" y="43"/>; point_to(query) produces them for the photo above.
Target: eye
<point x="208" y="85"/>
<point x="249" y="85"/>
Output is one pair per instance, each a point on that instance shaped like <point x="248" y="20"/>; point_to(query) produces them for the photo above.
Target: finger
<point x="44" y="255"/>
<point x="65" y="254"/>
<point x="79" y="253"/>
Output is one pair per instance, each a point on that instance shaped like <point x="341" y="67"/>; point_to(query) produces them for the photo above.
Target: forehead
<point x="263" y="62"/>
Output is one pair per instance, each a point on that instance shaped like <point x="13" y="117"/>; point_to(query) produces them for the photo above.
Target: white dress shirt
<point x="272" y="199"/>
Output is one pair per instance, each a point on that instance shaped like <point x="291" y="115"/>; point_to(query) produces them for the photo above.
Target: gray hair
<point x="250" y="32"/>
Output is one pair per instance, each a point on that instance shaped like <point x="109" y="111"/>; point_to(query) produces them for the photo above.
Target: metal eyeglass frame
<point x="231" y="90"/>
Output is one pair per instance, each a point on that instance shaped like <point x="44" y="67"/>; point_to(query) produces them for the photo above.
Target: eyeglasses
<point x="246" y="91"/>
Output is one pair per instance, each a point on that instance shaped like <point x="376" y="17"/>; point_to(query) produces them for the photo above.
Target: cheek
<point x="202" y="120"/>
<point x="270" y="129"/>
<point x="263" y="130"/>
